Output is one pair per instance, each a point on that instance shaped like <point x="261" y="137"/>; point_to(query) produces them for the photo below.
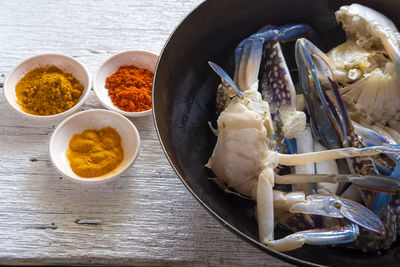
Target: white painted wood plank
<point x="147" y="217"/>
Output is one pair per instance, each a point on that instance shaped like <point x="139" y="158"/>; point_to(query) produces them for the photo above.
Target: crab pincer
<point x="277" y="86"/>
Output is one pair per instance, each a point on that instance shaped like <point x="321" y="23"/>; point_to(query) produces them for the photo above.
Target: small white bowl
<point x="93" y="119"/>
<point x="140" y="59"/>
<point x="65" y="63"/>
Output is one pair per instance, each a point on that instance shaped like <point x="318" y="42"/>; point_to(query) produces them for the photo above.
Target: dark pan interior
<point x="184" y="101"/>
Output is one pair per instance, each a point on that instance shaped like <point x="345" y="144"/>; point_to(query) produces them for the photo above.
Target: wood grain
<point x="147" y="217"/>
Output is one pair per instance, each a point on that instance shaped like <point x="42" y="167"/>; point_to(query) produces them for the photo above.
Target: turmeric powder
<point x="130" y="88"/>
<point x="47" y="91"/>
<point x="94" y="153"/>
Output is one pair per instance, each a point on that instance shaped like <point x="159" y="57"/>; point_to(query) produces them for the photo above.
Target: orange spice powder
<point x="130" y="88"/>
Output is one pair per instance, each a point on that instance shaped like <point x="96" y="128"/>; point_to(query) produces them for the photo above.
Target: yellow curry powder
<point x="95" y="152"/>
<point x="47" y="91"/>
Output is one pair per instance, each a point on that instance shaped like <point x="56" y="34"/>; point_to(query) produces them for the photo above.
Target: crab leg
<point x="326" y="205"/>
<point x="375" y="138"/>
<point x="340" y="235"/>
<point x="225" y="78"/>
<point x="372" y="137"/>
<point x="340" y="153"/>
<point x="265" y="207"/>
<point x="372" y="182"/>
<point x="334" y="206"/>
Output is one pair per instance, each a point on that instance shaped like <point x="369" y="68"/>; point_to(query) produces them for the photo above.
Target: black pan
<point x="184" y="101"/>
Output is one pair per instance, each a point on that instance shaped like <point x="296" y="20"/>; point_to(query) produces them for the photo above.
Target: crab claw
<point x="248" y="53"/>
<point x="317" y="204"/>
<point x="334" y="206"/>
<point x="311" y="60"/>
<point x="314" y="69"/>
<point x="277" y="86"/>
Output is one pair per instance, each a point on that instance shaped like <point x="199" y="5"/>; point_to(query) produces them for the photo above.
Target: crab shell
<point x="371" y="79"/>
<point x="367" y="26"/>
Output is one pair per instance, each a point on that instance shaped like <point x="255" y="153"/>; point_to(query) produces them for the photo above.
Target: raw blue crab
<point x="324" y="113"/>
<point x="245" y="159"/>
<point x="367" y="68"/>
<point x="245" y="156"/>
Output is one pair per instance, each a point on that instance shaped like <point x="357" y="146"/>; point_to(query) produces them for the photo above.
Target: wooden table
<point x="147" y="217"/>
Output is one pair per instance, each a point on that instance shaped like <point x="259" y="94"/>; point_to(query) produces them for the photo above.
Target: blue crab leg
<point x="349" y="212"/>
<point x="370" y="137"/>
<point x="373" y="138"/>
<point x="380" y="203"/>
<point x="348" y="152"/>
<point x="340" y="235"/>
<point x="378" y="183"/>
<point x="334" y="206"/>
<point x="225" y="77"/>
<point x="298" y="159"/>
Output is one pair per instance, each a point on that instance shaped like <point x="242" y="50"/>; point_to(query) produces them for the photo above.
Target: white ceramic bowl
<point x="65" y="63"/>
<point x="140" y="59"/>
<point x="93" y="119"/>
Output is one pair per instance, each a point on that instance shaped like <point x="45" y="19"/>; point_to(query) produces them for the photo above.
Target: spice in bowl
<point x="47" y="91"/>
<point x="130" y="88"/>
<point x="94" y="153"/>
